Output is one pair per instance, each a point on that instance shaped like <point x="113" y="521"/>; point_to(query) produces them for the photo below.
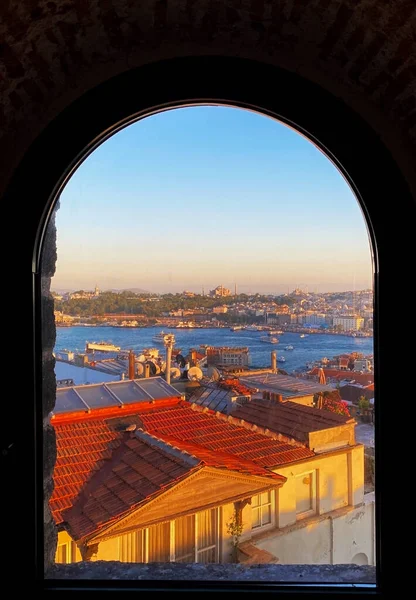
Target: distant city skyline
<point x="193" y="198"/>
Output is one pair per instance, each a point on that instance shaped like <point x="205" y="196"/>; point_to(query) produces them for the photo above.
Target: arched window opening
<point x="215" y="274"/>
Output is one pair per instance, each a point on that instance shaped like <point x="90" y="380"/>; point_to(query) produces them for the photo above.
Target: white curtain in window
<point x="131" y="547"/>
<point x="159" y="543"/>
<point x="185" y="539"/>
<point x="206" y="536"/>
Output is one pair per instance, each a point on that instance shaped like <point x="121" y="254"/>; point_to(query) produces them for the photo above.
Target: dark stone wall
<point x="48" y="336"/>
<point x="362" y="51"/>
<point x="53" y="51"/>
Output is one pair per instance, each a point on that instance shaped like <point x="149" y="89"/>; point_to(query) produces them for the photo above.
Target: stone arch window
<point x="344" y="138"/>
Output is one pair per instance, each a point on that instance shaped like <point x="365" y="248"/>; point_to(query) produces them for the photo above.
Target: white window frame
<point x="312" y="511"/>
<point x="272" y="502"/>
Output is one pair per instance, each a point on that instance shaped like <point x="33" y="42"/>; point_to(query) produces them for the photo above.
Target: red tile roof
<point x="184" y="424"/>
<point x="137" y="472"/>
<point x="82" y="449"/>
<point x="289" y="418"/>
<point x="104" y="473"/>
<point x="362" y="378"/>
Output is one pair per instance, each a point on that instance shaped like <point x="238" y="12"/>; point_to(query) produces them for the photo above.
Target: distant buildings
<point x="348" y="323"/>
<point x="220" y="291"/>
<point x="225" y="356"/>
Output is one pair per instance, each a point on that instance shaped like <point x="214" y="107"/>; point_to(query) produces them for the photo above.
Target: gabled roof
<point x="187" y="423"/>
<point x="94" y="446"/>
<point x="136" y="472"/>
<point x="289" y="418"/>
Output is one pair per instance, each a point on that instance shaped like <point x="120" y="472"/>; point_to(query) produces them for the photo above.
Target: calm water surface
<point x="313" y="347"/>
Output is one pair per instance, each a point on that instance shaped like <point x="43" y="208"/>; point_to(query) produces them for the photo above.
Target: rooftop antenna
<point x="168" y="341"/>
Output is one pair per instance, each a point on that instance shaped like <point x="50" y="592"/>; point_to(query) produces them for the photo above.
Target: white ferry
<point x="159" y="337"/>
<point x="91" y="347"/>
<point x="269" y="339"/>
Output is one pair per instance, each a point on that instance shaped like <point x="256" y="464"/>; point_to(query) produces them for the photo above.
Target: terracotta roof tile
<point x="93" y="490"/>
<point x="181" y="424"/>
<point x="117" y="488"/>
<point x="362" y="378"/>
<point x="289" y="418"/>
<point x="81" y="449"/>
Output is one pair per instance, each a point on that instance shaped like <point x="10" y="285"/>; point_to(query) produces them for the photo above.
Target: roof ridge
<point x="169" y="448"/>
<point x="274" y="435"/>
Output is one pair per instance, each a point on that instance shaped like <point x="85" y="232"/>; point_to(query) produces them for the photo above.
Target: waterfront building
<point x="225" y="356"/>
<point x="348" y="323"/>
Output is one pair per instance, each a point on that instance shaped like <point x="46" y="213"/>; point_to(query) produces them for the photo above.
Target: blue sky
<point x="196" y="197"/>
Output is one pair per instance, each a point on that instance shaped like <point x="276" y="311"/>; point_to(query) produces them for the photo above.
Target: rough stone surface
<point x="52" y="52"/>
<point x="207" y="572"/>
<point x="360" y="50"/>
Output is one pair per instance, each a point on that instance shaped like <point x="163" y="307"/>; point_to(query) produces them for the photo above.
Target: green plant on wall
<point x="235" y="529"/>
<point x="363" y="404"/>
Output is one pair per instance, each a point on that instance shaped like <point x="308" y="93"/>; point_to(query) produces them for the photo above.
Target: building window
<point x="305" y="494"/>
<point x="262" y="510"/>
<point x="132" y="547"/>
<point x="189" y="539"/>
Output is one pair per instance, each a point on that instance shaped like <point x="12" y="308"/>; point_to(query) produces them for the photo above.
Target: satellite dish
<point x="157" y="369"/>
<point x="175" y="373"/>
<point x="152" y="367"/>
<point x="195" y="374"/>
<point x="139" y="368"/>
<point x="213" y="373"/>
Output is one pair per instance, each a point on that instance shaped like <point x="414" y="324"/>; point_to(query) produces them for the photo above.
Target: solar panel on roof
<point x="157" y="387"/>
<point x="128" y="392"/>
<point x="97" y="396"/>
<point x="67" y="400"/>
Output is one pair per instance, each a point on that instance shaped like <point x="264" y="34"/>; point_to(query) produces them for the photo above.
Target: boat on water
<point x="159" y="338"/>
<point x="91" y="347"/>
<point x="236" y="328"/>
<point x="269" y="339"/>
<point x="303" y="335"/>
<point x="275" y="332"/>
<point x="281" y="359"/>
<point x="289" y="347"/>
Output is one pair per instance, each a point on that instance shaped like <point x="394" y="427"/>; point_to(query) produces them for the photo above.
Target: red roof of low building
<point x="362" y="378"/>
<point x="289" y="418"/>
<point x="137" y="472"/>
<point x="85" y="448"/>
<point x="82" y="448"/>
<point x="212" y="431"/>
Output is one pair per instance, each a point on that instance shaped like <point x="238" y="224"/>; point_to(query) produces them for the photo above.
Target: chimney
<point x="131" y="364"/>
<point x="274" y="361"/>
<point x="193" y="358"/>
<point x="146" y="370"/>
<point x="168" y="362"/>
<point x="278" y="397"/>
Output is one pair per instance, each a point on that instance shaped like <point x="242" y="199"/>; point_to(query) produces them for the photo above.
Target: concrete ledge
<point x="259" y="573"/>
